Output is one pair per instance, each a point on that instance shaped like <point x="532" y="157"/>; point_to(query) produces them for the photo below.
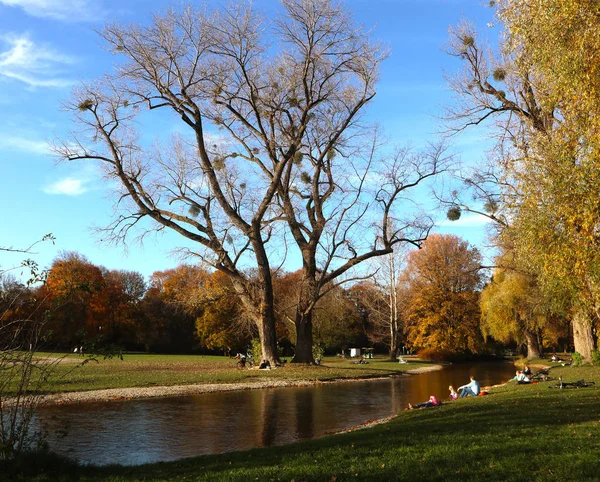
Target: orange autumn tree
<point x="443" y="282"/>
<point x="76" y="288"/>
<point x="170" y="306"/>
<point x="123" y="292"/>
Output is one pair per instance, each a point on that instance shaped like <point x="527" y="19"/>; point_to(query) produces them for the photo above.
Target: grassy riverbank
<point x="518" y="432"/>
<point x="168" y="370"/>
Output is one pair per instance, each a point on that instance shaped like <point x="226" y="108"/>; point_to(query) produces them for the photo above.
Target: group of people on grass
<point x="243" y="361"/>
<point x="471" y="389"/>
<point x="523" y="376"/>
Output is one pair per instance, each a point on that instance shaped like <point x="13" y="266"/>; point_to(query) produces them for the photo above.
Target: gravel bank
<point x="116" y="394"/>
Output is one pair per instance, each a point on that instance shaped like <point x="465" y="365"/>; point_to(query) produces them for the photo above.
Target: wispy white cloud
<point x="23" y="144"/>
<point x="66" y="10"/>
<point x="69" y="186"/>
<point x="76" y="181"/>
<point x="34" y="64"/>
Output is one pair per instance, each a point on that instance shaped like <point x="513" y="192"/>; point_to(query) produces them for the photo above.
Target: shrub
<point x="256" y="350"/>
<point x="436" y="355"/>
<point x="577" y="359"/>
<point x="596" y="357"/>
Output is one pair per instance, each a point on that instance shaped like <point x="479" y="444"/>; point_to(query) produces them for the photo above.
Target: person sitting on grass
<point x="521" y="378"/>
<point x="265" y="365"/>
<point x="470" y="388"/>
<point x="432" y="402"/>
<point x="526" y="371"/>
<point x="453" y="394"/>
<point x="362" y="361"/>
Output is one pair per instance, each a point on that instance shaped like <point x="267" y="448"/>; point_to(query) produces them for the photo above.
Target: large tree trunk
<point x="304" y="339"/>
<point x="259" y="304"/>
<point x="266" y="308"/>
<point x="533" y="345"/>
<point x="261" y="312"/>
<point x="303" y="321"/>
<point x="268" y="336"/>
<point x="582" y="335"/>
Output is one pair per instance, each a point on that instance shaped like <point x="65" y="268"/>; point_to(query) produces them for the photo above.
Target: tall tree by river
<point x="543" y="90"/>
<point x="248" y="112"/>
<point x="288" y="148"/>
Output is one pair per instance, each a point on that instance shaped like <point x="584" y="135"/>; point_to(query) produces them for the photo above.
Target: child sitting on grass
<point x="432" y="402"/>
<point x="453" y="393"/>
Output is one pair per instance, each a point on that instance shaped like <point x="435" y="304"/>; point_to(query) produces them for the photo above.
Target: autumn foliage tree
<point x="542" y="91"/>
<point x="443" y="281"/>
<point x="76" y="288"/>
<point x="170" y="308"/>
<point x="513" y="309"/>
<point x="222" y="323"/>
<point x="123" y="292"/>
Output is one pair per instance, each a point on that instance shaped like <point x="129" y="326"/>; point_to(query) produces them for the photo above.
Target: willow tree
<point x="248" y="96"/>
<point x="513" y="309"/>
<point x="562" y="174"/>
<point x="543" y="92"/>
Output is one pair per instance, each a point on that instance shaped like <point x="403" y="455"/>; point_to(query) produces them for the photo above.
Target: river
<point x="152" y="430"/>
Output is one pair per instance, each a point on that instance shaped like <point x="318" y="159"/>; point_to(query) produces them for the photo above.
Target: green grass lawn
<point x="517" y="433"/>
<point x="158" y="370"/>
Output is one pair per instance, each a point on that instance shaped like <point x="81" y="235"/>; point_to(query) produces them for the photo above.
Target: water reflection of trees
<point x="270" y="412"/>
<point x="305" y="413"/>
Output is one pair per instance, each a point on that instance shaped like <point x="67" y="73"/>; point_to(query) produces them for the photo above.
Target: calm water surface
<point x="143" y="431"/>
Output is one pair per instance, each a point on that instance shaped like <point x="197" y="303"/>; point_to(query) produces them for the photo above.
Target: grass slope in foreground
<point x="517" y="433"/>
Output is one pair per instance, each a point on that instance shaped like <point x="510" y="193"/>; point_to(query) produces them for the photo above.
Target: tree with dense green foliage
<point x="443" y="281"/>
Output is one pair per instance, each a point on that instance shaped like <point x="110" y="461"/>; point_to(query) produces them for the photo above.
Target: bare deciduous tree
<point x="218" y="71"/>
<point x="341" y="204"/>
<point x="387" y="307"/>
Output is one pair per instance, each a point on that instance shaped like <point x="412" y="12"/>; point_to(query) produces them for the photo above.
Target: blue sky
<point x="48" y="46"/>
